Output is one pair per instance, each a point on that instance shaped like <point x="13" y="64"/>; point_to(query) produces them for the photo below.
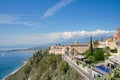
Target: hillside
<point x="44" y="66"/>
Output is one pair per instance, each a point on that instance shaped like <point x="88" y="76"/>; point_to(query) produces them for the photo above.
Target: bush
<point x="77" y="62"/>
<point x="27" y="69"/>
<point x="88" y="53"/>
<point x="63" y="67"/>
<point x="113" y="50"/>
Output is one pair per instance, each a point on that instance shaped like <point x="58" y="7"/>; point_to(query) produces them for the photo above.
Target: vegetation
<point x="107" y="49"/>
<point x="91" y="47"/>
<point x="77" y="62"/>
<point x="63" y="67"/>
<point x="98" y="55"/>
<point x="44" y="66"/>
<point x="114" y="75"/>
<point x="27" y="69"/>
<point x="95" y="43"/>
<point x="113" y="50"/>
<point x="94" y="55"/>
<point x="72" y="52"/>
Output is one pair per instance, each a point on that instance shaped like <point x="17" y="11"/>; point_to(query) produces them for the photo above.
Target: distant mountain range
<point x="84" y="40"/>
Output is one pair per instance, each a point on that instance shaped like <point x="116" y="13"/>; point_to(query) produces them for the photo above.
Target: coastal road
<point x="76" y="67"/>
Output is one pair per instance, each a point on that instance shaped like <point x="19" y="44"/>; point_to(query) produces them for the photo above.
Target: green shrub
<point x="99" y="55"/>
<point x="113" y="50"/>
<point x="63" y="66"/>
<point x="77" y="62"/>
<point x="27" y="69"/>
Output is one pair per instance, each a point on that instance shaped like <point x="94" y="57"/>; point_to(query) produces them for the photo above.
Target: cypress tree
<point x="91" y="46"/>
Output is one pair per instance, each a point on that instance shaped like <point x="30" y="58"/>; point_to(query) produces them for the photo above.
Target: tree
<point x="87" y="53"/>
<point x="77" y="62"/>
<point x="107" y="49"/>
<point x="47" y="77"/>
<point x="113" y="50"/>
<point x="114" y="75"/>
<point x="91" y="46"/>
<point x="90" y="59"/>
<point x="99" y="55"/>
<point x="98" y="78"/>
<point x="63" y="67"/>
<point x="59" y="44"/>
<point x="67" y="49"/>
<point x="95" y="43"/>
<point x="72" y="51"/>
<point x="27" y="69"/>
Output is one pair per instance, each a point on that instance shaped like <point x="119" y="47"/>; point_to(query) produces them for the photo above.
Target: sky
<point x="31" y="22"/>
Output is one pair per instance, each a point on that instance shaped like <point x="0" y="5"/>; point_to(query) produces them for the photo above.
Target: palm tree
<point x="95" y="43"/>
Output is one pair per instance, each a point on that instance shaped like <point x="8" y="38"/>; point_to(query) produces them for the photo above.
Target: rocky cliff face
<point x="117" y="37"/>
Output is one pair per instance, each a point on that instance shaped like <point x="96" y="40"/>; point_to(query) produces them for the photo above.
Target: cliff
<point x="44" y="66"/>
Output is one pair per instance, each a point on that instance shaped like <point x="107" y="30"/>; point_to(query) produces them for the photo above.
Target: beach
<point x="11" y="62"/>
<point x="15" y="70"/>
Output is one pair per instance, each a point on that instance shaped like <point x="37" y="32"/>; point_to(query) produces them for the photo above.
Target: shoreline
<point x="15" y="70"/>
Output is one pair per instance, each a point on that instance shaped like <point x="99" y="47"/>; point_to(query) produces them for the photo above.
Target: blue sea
<point x="10" y="61"/>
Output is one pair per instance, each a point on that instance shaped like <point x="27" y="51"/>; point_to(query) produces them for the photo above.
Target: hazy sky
<point x="46" y="21"/>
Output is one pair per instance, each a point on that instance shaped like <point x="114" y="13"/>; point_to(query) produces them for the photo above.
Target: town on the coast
<point x="96" y="60"/>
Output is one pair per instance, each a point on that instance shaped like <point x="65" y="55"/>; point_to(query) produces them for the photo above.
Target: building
<point x="109" y="42"/>
<point x="74" y="49"/>
<point x="57" y="49"/>
<point x="113" y="61"/>
<point x="77" y="48"/>
<point x="96" y="73"/>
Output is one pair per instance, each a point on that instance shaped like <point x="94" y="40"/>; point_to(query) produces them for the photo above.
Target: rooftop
<point x="80" y="56"/>
<point x="77" y="44"/>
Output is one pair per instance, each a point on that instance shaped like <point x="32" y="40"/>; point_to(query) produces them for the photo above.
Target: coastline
<point x="15" y="70"/>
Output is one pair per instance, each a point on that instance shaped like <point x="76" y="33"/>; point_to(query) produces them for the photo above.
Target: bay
<point x="10" y="61"/>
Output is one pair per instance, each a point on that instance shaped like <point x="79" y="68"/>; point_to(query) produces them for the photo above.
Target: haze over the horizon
<point x="24" y="22"/>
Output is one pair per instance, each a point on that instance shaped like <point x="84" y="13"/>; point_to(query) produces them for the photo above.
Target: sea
<point x="11" y="61"/>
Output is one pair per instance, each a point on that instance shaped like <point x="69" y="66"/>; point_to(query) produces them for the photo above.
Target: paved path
<point x="76" y="67"/>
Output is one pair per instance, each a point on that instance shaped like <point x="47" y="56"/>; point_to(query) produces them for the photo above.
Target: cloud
<point x="56" y="7"/>
<point x="7" y="19"/>
<point x="46" y="38"/>
<point x="15" y="19"/>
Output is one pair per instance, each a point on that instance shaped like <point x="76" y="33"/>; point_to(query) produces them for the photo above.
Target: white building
<point x="107" y="43"/>
<point x="97" y="73"/>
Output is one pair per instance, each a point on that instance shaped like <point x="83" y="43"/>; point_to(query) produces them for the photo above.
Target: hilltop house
<point x="77" y="48"/>
<point x="74" y="48"/>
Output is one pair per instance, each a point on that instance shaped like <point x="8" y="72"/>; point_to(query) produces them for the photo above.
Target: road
<point x="76" y="67"/>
